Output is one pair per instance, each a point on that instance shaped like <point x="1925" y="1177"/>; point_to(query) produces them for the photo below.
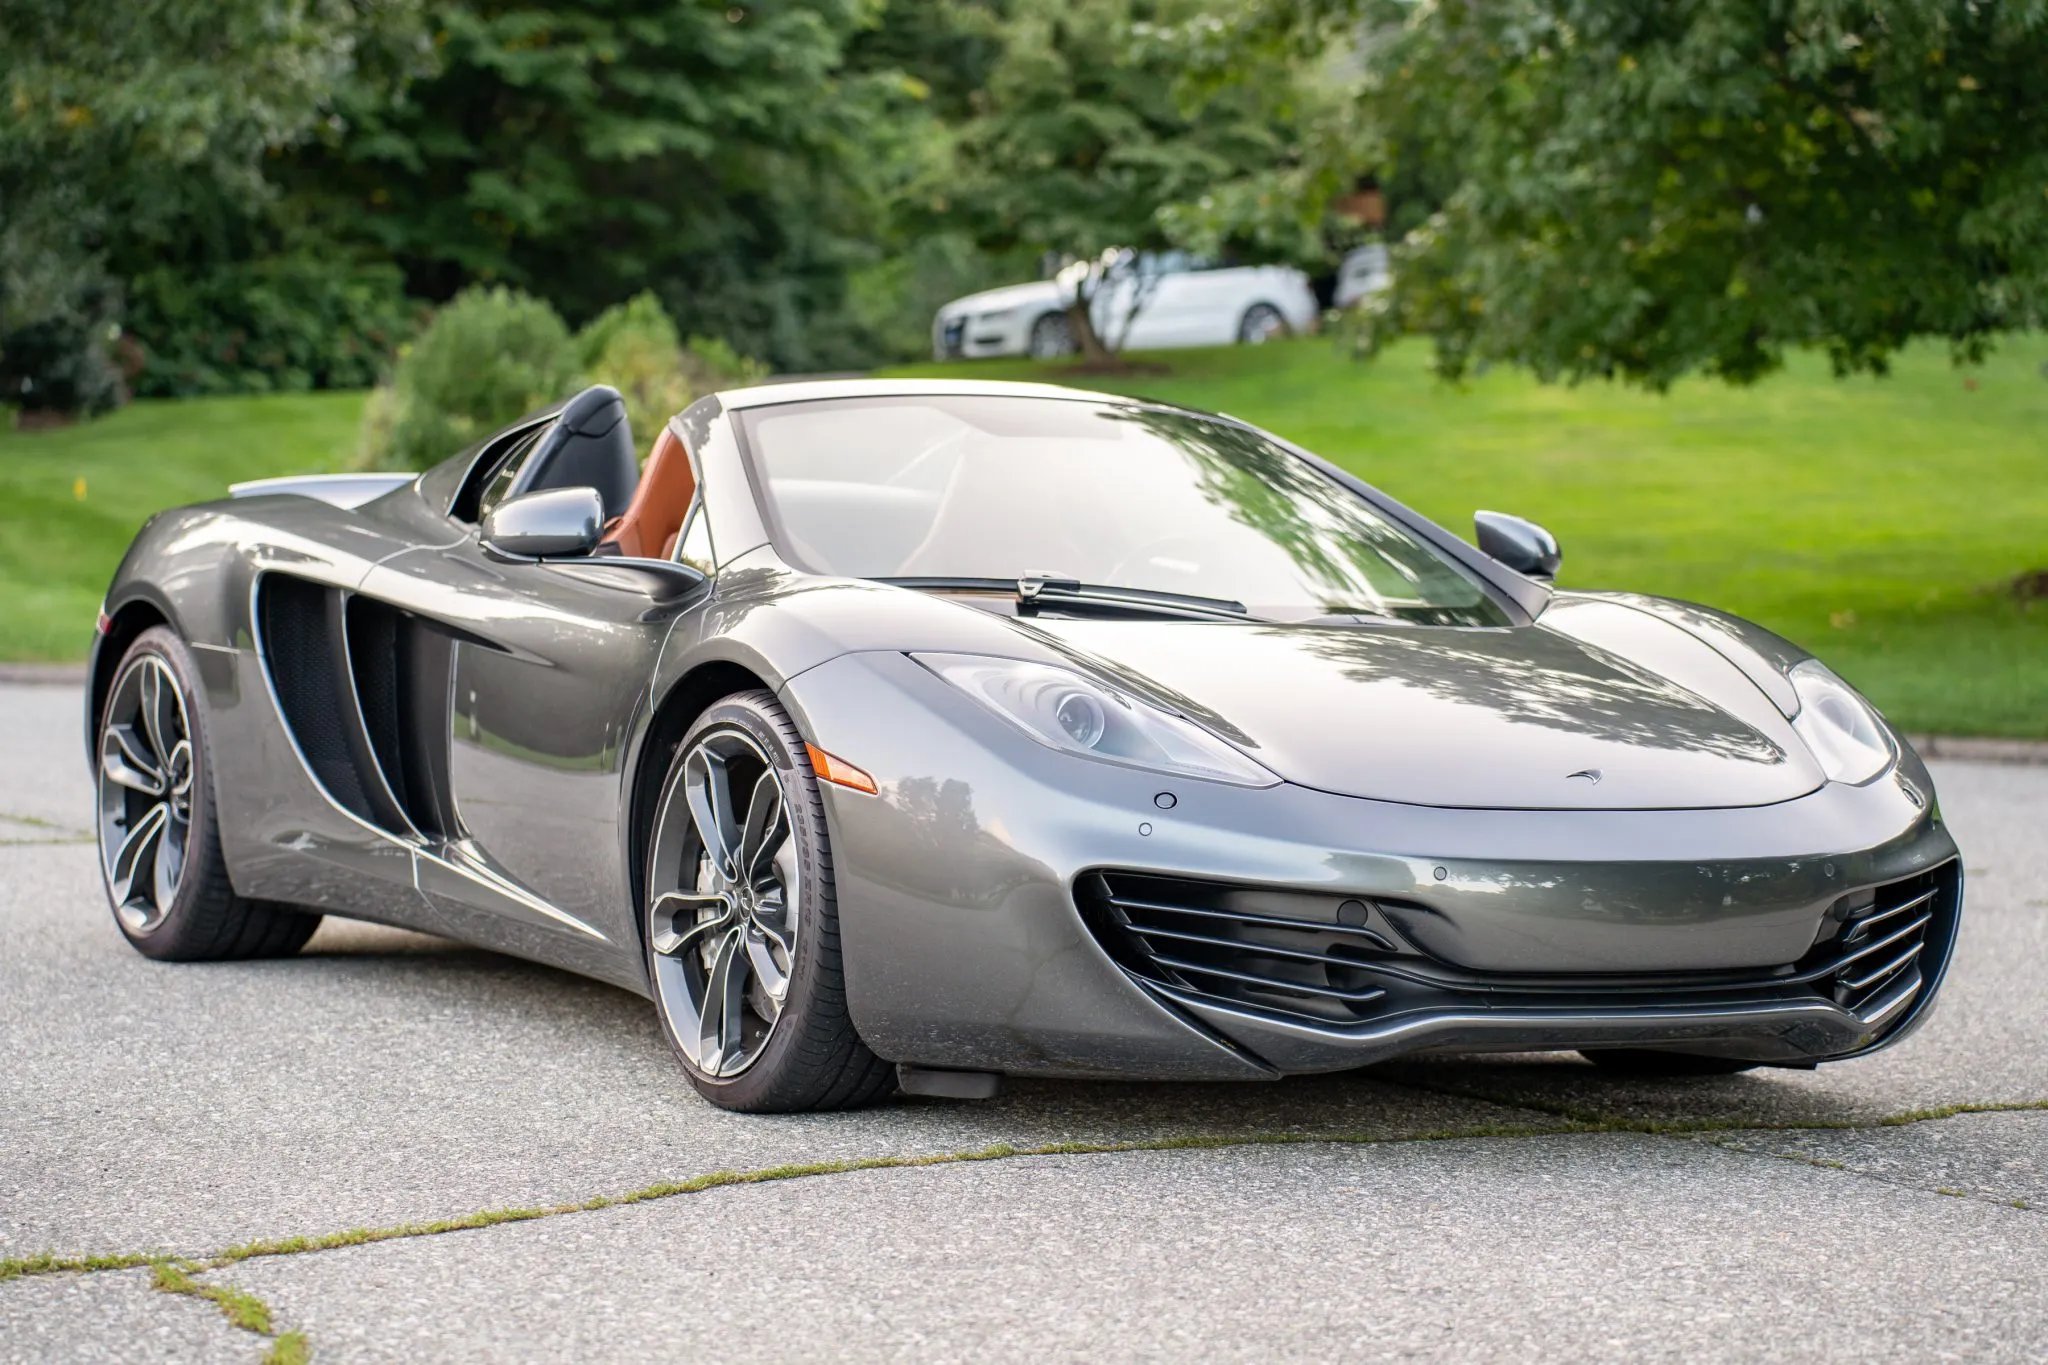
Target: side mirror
<point x="1522" y="545"/>
<point x="546" y="525"/>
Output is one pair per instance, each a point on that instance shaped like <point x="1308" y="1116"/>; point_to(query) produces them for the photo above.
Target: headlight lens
<point x="1844" y="734"/>
<point x="1067" y="710"/>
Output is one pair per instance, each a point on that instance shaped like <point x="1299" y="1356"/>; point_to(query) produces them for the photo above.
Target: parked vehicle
<point x="1365" y="272"/>
<point x="1146" y="301"/>
<point x="919" y="732"/>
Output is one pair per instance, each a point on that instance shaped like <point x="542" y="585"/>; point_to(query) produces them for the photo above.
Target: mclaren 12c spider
<point x="919" y="732"/>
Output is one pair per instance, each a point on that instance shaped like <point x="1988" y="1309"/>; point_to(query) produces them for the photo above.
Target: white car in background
<point x="1146" y="301"/>
<point x="1366" y="272"/>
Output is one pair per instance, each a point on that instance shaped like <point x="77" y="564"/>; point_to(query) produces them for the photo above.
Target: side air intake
<point x="363" y="690"/>
<point x="302" y="650"/>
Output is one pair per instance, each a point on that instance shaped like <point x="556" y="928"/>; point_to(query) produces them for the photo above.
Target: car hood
<point x="1039" y="292"/>
<point x="1597" y="706"/>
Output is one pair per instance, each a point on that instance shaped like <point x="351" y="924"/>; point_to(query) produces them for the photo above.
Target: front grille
<point x="952" y="336"/>
<point x="1885" y="933"/>
<point x="1322" y="958"/>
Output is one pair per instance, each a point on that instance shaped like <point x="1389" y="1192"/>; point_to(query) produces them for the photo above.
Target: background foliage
<point x="1640" y="190"/>
<point x="139" y="135"/>
<point x="494" y="354"/>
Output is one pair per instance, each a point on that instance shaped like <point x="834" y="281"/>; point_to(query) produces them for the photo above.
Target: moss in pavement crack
<point x="1573" y="1121"/>
<point x="1597" y="1119"/>
<point x="1731" y="1144"/>
<point x="172" y="1275"/>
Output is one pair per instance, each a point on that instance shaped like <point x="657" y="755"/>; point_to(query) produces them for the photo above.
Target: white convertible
<point x="1144" y="301"/>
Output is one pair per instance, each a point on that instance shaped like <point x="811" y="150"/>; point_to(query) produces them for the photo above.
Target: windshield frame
<point x="1521" y="599"/>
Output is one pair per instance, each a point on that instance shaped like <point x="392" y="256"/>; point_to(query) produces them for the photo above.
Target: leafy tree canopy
<point x="117" y="117"/>
<point x="723" y="152"/>
<point x="1642" y="190"/>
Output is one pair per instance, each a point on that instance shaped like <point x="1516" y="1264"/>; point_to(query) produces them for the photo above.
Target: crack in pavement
<point x="1579" y="1114"/>
<point x="1705" y="1131"/>
<point x="50" y="1263"/>
<point x="242" y="1309"/>
<point x="248" y="1312"/>
<point x="1735" y="1144"/>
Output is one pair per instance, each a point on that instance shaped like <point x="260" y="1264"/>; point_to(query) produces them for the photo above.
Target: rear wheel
<point x="742" y="930"/>
<point x="1649" y="1063"/>
<point x="1052" y="336"/>
<point x="158" y="837"/>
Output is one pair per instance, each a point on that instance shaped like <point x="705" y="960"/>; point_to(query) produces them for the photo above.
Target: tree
<point x="721" y="152"/>
<point x="1102" y="127"/>
<point x="1644" y="190"/>
<point x="123" y="123"/>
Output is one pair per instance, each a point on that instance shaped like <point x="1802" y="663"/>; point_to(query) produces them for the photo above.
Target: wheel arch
<point x="1253" y="305"/>
<point x="689" y="697"/>
<point x="125" y="624"/>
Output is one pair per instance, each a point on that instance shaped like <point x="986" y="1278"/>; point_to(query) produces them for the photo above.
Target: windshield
<point x="1103" y="493"/>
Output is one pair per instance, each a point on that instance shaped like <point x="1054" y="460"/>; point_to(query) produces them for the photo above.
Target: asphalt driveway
<point x="282" y="1138"/>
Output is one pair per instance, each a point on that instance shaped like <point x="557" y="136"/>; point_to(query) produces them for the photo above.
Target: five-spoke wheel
<point x="725" y="943"/>
<point x="741" y="925"/>
<point x="166" y="875"/>
<point x="145" y="789"/>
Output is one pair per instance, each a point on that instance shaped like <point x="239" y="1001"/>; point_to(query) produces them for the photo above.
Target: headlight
<point x="995" y="316"/>
<point x="1065" y="710"/>
<point x="1844" y="734"/>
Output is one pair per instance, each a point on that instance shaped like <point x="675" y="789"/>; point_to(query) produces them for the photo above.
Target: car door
<point x="1166" y="291"/>
<point x="547" y="667"/>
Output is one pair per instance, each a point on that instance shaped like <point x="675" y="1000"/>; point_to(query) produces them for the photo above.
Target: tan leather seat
<point x="648" y="527"/>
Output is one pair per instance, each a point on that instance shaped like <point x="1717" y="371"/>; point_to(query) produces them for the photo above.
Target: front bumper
<point x="965" y="336"/>
<point x="972" y="938"/>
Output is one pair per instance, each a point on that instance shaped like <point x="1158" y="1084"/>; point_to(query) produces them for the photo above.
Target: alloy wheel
<point x="723" y="930"/>
<point x="145" y="793"/>
<point x="1052" y="336"/>
<point x="1261" y="324"/>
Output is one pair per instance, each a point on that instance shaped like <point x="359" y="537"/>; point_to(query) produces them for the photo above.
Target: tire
<point x="1649" y="1063"/>
<point x="1052" y="336"/>
<point x="157" y="824"/>
<point x="742" y="948"/>
<point x="1262" y="322"/>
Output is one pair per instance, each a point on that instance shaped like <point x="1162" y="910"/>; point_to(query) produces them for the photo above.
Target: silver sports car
<point x="914" y="733"/>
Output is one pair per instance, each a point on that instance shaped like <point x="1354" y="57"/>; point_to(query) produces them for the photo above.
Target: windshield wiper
<point x="1034" y="591"/>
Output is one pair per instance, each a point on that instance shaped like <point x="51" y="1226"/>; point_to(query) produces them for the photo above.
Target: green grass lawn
<point x="72" y="499"/>
<point x="1874" y="521"/>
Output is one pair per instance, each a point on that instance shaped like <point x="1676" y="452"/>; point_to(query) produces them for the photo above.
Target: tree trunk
<point x="1082" y="326"/>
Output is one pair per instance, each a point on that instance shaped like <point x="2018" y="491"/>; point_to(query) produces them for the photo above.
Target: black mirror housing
<point x="552" y="524"/>
<point x="1522" y="545"/>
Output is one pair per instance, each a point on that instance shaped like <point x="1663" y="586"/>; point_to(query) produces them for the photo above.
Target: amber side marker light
<point x="104" y="624"/>
<point x="838" y="771"/>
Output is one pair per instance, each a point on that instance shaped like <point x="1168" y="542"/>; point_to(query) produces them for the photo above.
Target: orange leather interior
<point x="648" y="527"/>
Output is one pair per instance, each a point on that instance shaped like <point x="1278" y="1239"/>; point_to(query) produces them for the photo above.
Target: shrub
<point x="487" y="357"/>
<point x="61" y="364"/>
<point x="634" y="347"/>
<point x="283" y="323"/>
<point x="491" y="356"/>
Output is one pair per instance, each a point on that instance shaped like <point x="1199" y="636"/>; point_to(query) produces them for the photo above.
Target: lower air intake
<point x="1320" y="958"/>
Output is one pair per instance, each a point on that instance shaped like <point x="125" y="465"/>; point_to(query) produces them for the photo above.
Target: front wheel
<point x="1262" y="322"/>
<point x="742" y="929"/>
<point x="157" y="824"/>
